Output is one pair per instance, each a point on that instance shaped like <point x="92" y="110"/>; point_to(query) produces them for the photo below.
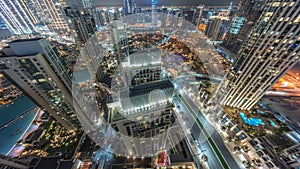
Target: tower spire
<point x="230" y="6"/>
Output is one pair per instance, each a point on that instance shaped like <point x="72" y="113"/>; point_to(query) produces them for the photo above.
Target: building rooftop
<point x="66" y="164"/>
<point x="54" y="163"/>
<point x="48" y="162"/>
<point x="148" y="87"/>
<point x="143" y="58"/>
<point x="26" y="40"/>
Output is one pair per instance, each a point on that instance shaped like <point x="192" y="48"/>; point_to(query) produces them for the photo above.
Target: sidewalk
<point x="191" y="143"/>
<point x="230" y="145"/>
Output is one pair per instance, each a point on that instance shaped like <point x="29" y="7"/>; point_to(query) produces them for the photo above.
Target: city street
<point x="214" y="160"/>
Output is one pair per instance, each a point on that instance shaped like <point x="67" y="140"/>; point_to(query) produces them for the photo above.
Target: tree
<point x="223" y="128"/>
<point x="236" y="148"/>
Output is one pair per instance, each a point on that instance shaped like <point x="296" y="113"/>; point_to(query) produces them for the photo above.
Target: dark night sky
<point x="168" y="2"/>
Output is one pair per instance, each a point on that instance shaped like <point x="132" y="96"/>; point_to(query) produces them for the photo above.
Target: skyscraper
<point x="154" y="10"/>
<point x="12" y="163"/>
<point x="128" y="6"/>
<point x="50" y="13"/>
<point x="97" y="13"/>
<point x="17" y="17"/>
<point x="271" y="49"/>
<point x="30" y="16"/>
<point x="100" y="18"/>
<point x="199" y="11"/>
<point x="216" y="27"/>
<point x="242" y="23"/>
<point x="88" y="3"/>
<point x="82" y="22"/>
<point x="122" y="38"/>
<point x="154" y="5"/>
<point x="146" y="105"/>
<point x="36" y="69"/>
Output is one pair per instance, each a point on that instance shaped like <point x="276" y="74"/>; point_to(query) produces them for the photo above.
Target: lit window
<point x="287" y="19"/>
<point x="275" y="4"/>
<point x="297" y="20"/>
<point x="284" y="4"/>
<point x="42" y="80"/>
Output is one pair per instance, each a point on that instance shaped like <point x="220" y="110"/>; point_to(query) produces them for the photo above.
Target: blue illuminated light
<point x="273" y="123"/>
<point x="251" y="121"/>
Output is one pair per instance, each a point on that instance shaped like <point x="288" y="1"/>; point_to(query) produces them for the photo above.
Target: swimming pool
<point x="273" y="123"/>
<point x="251" y="121"/>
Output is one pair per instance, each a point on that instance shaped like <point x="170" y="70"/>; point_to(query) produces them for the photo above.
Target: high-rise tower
<point x="153" y="10"/>
<point x="271" y="49"/>
<point x="82" y="22"/>
<point x="154" y="5"/>
<point x="17" y="17"/>
<point x="50" y="13"/>
<point x="246" y="17"/>
<point x="12" y="163"/>
<point x="216" y="27"/>
<point x="129" y="6"/>
<point x="36" y="69"/>
<point x="200" y="13"/>
<point x="147" y="105"/>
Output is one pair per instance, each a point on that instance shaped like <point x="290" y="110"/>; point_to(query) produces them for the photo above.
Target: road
<point x="213" y="161"/>
<point x="218" y="154"/>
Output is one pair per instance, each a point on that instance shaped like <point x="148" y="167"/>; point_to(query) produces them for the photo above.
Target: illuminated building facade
<point x="142" y="67"/>
<point x="241" y="25"/>
<point x="233" y="33"/>
<point x="82" y="21"/>
<point x="271" y="49"/>
<point x="291" y="156"/>
<point x="2" y="24"/>
<point x="236" y="25"/>
<point x="202" y="27"/>
<point x="50" y="13"/>
<point x="17" y="17"/>
<point x="153" y="11"/>
<point x="97" y="14"/>
<point x="12" y="163"/>
<point x="88" y="3"/>
<point x="148" y="111"/>
<point x="128" y="6"/>
<point x="199" y="11"/>
<point x="216" y="27"/>
<point x="122" y="38"/>
<point x="154" y="5"/>
<point x="37" y="70"/>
